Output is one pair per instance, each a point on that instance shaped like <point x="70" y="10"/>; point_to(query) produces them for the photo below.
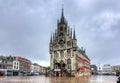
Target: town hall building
<point x="66" y="58"/>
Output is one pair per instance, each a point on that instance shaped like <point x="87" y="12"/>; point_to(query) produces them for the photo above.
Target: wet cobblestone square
<point x="43" y="79"/>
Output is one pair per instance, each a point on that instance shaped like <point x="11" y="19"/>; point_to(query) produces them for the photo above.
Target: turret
<point x="62" y="20"/>
<point x="74" y="36"/>
<point x="55" y="33"/>
<point x="50" y="44"/>
<point x="74" y="41"/>
<point x="71" y="33"/>
<point x="51" y="39"/>
<point x="68" y="31"/>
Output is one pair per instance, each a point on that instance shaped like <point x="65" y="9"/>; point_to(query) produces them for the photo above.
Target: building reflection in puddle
<point x="43" y="79"/>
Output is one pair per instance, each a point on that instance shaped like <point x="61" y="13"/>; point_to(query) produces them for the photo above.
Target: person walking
<point x="118" y="79"/>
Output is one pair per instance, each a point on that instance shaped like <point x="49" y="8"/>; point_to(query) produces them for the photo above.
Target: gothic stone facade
<point x="66" y="58"/>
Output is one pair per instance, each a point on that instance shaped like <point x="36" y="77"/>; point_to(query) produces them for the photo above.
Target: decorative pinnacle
<point x="74" y="36"/>
<point x="62" y="15"/>
<point x="51" y="39"/>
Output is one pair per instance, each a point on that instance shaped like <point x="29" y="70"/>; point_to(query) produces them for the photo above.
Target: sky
<point x="26" y="27"/>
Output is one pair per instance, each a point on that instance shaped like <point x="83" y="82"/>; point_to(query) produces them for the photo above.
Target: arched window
<point x="55" y="61"/>
<point x="61" y="28"/>
<point x="69" y="61"/>
<point x="62" y="46"/>
<point x="61" y="62"/>
<point x="62" y="53"/>
<point x="69" y="52"/>
<point x="56" y="47"/>
<point x="55" y="55"/>
<point x="69" y="44"/>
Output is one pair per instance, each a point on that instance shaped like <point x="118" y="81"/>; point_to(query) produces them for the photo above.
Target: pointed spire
<point x="55" y="33"/>
<point x="51" y="39"/>
<point x="74" y="36"/>
<point x="62" y="16"/>
<point x="68" y="30"/>
<point x="84" y="50"/>
<point x="57" y="20"/>
<point x="62" y="12"/>
<point x="71" y="32"/>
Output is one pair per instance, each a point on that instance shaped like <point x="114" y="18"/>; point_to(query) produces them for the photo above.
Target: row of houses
<point x="17" y="65"/>
<point x="106" y="69"/>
